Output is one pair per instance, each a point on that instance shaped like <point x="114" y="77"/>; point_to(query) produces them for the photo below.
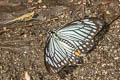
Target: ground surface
<point x="22" y="43"/>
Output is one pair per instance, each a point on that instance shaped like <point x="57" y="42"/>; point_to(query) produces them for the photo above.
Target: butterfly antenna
<point x="108" y="24"/>
<point x="48" y="32"/>
<point x="114" y="20"/>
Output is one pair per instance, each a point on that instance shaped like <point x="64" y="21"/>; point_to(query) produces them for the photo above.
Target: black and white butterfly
<point x="70" y="42"/>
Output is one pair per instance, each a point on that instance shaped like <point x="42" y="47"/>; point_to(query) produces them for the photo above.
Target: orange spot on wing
<point x="77" y="52"/>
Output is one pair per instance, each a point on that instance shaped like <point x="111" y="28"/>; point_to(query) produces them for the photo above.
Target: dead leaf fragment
<point x="27" y="76"/>
<point x="25" y="17"/>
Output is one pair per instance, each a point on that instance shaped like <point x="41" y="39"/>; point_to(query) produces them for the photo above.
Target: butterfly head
<point x="51" y="34"/>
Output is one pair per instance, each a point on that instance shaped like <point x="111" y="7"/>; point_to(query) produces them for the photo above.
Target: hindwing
<point x="57" y="55"/>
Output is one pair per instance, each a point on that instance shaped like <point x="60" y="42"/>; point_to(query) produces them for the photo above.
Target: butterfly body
<point x="67" y="44"/>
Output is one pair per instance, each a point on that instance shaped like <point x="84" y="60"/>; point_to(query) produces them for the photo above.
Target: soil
<point x="22" y="42"/>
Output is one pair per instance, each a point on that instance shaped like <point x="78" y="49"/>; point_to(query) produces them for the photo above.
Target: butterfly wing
<point x="81" y="33"/>
<point x="57" y="55"/>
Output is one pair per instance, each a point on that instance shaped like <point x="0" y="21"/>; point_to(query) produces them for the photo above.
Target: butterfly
<point x="69" y="43"/>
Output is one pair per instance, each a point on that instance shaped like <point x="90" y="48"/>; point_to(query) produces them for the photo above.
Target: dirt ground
<point x="22" y="41"/>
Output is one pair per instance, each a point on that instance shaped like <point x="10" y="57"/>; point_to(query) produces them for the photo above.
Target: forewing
<point x="57" y="55"/>
<point x="81" y="33"/>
